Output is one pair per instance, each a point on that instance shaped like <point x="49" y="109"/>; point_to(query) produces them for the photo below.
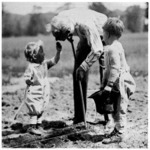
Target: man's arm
<point x="91" y="33"/>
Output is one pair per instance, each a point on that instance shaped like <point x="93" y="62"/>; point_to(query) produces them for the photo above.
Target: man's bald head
<point x="61" y="27"/>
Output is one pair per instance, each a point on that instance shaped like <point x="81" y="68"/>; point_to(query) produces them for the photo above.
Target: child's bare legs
<point x="121" y="116"/>
<point x="34" y="110"/>
<point x="109" y="127"/>
<point x="39" y="119"/>
<point x="33" y="119"/>
<point x="33" y="126"/>
<point x="39" y="123"/>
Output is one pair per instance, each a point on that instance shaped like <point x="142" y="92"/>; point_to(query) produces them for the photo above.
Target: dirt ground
<point x="60" y="110"/>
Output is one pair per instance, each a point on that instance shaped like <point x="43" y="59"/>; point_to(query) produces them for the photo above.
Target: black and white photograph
<point x="74" y="74"/>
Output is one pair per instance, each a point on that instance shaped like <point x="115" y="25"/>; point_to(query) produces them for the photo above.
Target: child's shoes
<point x="114" y="137"/>
<point x="33" y="130"/>
<point x="40" y="128"/>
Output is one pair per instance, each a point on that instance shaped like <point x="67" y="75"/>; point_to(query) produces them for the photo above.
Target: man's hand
<point x="101" y="88"/>
<point x="58" y="46"/>
<point x="80" y="73"/>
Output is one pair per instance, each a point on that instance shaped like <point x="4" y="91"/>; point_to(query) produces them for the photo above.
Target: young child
<point x="36" y="78"/>
<point x="116" y="74"/>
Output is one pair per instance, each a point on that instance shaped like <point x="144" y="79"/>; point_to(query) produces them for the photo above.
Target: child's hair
<point x="31" y="50"/>
<point x="114" y="26"/>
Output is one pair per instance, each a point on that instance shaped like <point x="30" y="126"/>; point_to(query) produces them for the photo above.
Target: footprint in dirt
<point x="53" y="124"/>
<point x="18" y="127"/>
<point x="6" y="104"/>
<point x="86" y="137"/>
<point x="57" y="138"/>
<point x="15" y="128"/>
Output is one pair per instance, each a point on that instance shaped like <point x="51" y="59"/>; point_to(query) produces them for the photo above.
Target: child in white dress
<point x="36" y="78"/>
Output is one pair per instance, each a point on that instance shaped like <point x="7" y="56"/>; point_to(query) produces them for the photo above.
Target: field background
<point x="18" y="29"/>
<point x="61" y="105"/>
<point x="14" y="62"/>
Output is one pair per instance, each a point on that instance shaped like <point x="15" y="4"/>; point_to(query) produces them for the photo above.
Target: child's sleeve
<point x="114" y="62"/>
<point x="53" y="61"/>
<point x="28" y="76"/>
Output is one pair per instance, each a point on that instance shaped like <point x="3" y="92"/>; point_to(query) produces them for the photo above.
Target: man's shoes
<point x="114" y="137"/>
<point x="33" y="130"/>
<point x="75" y="121"/>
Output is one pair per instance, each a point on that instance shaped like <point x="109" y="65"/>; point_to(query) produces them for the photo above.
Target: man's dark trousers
<point x="81" y="53"/>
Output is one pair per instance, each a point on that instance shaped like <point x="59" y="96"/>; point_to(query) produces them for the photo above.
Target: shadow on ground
<point x="58" y="134"/>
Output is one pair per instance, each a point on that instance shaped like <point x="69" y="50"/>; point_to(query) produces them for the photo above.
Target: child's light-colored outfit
<point x="117" y="72"/>
<point x="38" y="93"/>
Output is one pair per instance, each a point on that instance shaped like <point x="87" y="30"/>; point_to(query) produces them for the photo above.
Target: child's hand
<point x="29" y="82"/>
<point x="58" y="46"/>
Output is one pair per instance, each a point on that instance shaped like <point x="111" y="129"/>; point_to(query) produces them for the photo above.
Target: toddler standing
<point x="36" y="78"/>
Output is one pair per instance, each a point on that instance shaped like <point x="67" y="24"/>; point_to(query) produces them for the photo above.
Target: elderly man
<point x="87" y="25"/>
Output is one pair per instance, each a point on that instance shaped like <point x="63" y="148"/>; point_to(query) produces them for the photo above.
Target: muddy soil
<point x="57" y="118"/>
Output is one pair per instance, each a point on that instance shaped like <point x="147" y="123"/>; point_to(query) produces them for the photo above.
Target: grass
<point x="135" y="45"/>
<point x="136" y="50"/>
